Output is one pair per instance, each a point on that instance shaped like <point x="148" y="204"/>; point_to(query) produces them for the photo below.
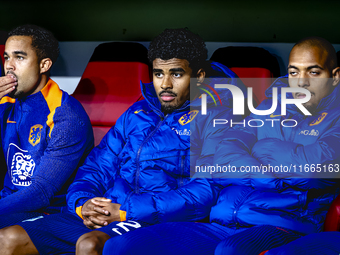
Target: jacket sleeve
<point x="233" y="153"/>
<point x="322" y="154"/>
<point x="71" y="140"/>
<point x="190" y="202"/>
<point x="3" y="165"/>
<point x="207" y="134"/>
<point x="99" y="171"/>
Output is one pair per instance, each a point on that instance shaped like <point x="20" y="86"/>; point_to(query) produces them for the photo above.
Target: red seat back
<point x="251" y="77"/>
<point x="111" y="83"/>
<point x="2" y="50"/>
<point x="250" y="62"/>
<point x="332" y="221"/>
<point x="3" y="38"/>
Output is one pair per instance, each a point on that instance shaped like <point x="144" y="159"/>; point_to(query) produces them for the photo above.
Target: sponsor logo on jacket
<point x="35" y="134"/>
<point x="182" y="132"/>
<point x="188" y="117"/>
<point x="274" y="116"/>
<point x="312" y="132"/>
<point x="138" y="111"/>
<point x="10" y="121"/>
<point x="319" y="119"/>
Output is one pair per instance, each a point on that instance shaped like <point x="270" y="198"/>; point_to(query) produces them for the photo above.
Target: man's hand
<point x="7" y="84"/>
<point x="99" y="211"/>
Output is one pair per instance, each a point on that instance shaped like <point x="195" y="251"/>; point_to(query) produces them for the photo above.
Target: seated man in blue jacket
<point x="45" y="133"/>
<point x="140" y="173"/>
<point x="256" y="212"/>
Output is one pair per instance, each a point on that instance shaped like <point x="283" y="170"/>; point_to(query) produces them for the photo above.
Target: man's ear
<point x="45" y="65"/>
<point x="200" y="75"/>
<point x="336" y="76"/>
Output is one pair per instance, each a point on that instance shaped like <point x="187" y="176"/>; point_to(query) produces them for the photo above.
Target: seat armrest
<point x="332" y="222"/>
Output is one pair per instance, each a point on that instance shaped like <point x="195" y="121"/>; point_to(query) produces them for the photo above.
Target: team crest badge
<point x="35" y="134"/>
<point x="319" y="119"/>
<point x="188" y="117"/>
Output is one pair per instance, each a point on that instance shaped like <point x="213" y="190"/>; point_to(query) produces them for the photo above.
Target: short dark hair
<point x="43" y="41"/>
<point x="323" y="44"/>
<point x="179" y="43"/>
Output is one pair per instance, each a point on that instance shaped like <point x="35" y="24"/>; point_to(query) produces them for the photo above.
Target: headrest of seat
<point x="246" y="57"/>
<point x="120" y="51"/>
<point x="2" y="50"/>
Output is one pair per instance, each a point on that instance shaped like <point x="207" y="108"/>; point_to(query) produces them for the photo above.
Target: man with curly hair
<point x="45" y="133"/>
<point x="140" y="173"/>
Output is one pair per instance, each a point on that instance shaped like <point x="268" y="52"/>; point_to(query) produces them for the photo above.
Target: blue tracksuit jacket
<point x="44" y="137"/>
<point x="143" y="163"/>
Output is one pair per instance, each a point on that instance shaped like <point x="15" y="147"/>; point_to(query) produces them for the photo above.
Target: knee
<point x="91" y="243"/>
<point x="86" y="243"/>
<point x="117" y="246"/>
<point x="11" y="238"/>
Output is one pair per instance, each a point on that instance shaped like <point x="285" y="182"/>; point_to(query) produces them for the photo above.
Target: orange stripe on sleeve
<point x="122" y="215"/>
<point x="53" y="96"/>
<point x="78" y="211"/>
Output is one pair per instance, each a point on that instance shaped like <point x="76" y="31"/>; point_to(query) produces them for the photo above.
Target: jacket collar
<point x="150" y="96"/>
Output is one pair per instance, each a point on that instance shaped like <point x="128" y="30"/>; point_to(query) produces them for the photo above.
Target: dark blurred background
<point x="216" y="21"/>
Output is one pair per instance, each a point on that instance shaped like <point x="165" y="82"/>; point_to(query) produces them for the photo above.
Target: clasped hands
<point x="99" y="212"/>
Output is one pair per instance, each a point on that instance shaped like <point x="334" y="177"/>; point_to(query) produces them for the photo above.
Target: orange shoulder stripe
<point x="7" y="100"/>
<point x="53" y="96"/>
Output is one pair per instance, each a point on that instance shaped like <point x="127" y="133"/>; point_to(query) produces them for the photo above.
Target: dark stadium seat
<point x="3" y="38"/>
<point x="250" y="62"/>
<point x="3" y="167"/>
<point x="2" y="50"/>
<point x="111" y="83"/>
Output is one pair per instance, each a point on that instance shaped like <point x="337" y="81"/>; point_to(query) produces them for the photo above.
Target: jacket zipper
<point x="140" y="150"/>
<point x="238" y="207"/>
<point x="182" y="171"/>
<point x="19" y="119"/>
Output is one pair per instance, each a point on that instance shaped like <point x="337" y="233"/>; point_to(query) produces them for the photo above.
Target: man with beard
<point x="140" y="173"/>
<point x="45" y="133"/>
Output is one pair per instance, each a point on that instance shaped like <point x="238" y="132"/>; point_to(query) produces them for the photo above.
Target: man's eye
<point x="159" y="75"/>
<point x="315" y="73"/>
<point x="292" y="73"/>
<point x="177" y="75"/>
<point x="20" y="57"/>
<point x="6" y="58"/>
